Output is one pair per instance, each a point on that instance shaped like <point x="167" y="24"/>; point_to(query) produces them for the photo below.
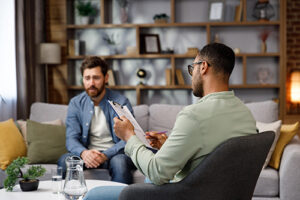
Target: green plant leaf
<point x="85" y="8"/>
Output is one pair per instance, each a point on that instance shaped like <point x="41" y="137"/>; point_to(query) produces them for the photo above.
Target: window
<point x="8" y="88"/>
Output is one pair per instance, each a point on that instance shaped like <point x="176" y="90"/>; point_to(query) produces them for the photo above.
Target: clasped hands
<point x="124" y="130"/>
<point x="93" y="158"/>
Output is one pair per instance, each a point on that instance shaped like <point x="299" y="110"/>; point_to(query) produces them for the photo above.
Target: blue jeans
<point x="104" y="193"/>
<point x="119" y="166"/>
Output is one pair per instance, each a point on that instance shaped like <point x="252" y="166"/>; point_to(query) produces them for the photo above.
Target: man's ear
<point x="204" y="68"/>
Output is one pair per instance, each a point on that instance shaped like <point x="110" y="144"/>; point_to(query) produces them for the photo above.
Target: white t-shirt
<point x="100" y="137"/>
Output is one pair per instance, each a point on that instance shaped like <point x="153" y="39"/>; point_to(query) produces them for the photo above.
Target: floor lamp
<point x="50" y="53"/>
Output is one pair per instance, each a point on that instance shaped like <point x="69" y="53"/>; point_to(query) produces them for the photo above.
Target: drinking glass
<point x="56" y="180"/>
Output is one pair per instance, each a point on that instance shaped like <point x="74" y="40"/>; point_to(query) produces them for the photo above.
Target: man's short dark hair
<point x="92" y="62"/>
<point x="219" y="56"/>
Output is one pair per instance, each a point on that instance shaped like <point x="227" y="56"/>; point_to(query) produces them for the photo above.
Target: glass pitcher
<point x="75" y="186"/>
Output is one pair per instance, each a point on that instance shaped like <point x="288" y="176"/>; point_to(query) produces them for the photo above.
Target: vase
<point x="263" y="47"/>
<point x="112" y="50"/>
<point x="29" y="185"/>
<point x="124" y="15"/>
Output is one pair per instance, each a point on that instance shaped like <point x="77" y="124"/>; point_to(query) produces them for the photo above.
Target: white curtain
<point x="8" y="90"/>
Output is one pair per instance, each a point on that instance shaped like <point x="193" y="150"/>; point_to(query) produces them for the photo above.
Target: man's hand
<point x="156" y="140"/>
<point x="103" y="158"/>
<point x="123" y="128"/>
<point x="93" y="158"/>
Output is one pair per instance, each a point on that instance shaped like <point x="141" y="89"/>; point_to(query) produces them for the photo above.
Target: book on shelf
<point x="168" y="76"/>
<point x="73" y="47"/>
<point x="111" y="78"/>
<point x="238" y="12"/>
<point x="179" y="77"/>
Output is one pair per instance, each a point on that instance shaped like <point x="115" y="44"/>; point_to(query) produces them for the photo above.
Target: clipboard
<point x="124" y="111"/>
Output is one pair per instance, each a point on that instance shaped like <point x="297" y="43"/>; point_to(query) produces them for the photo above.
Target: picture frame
<point x="150" y="43"/>
<point x="216" y="10"/>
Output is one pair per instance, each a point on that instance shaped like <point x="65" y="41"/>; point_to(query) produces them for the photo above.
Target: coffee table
<point x="44" y="191"/>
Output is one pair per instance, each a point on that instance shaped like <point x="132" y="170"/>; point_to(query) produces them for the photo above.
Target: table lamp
<point x="50" y="53"/>
<point x="295" y="90"/>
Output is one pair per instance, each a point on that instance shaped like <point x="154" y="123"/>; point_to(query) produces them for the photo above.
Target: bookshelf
<point x="247" y="59"/>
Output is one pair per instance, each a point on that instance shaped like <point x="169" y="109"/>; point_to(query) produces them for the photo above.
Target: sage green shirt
<point x="198" y="129"/>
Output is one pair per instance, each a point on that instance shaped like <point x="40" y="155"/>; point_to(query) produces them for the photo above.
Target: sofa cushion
<point x="141" y="114"/>
<point x="12" y="144"/>
<point x="265" y="111"/>
<point x="23" y="126"/>
<point x="268" y="183"/>
<point x="42" y="112"/>
<point x="287" y="133"/>
<point x="275" y="127"/>
<point x="163" y="116"/>
<point x="46" y="142"/>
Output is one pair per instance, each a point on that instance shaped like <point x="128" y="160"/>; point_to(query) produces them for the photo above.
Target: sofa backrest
<point x="156" y="117"/>
<point x="42" y="112"/>
<point x="141" y="114"/>
<point x="264" y="111"/>
<point x="162" y="116"/>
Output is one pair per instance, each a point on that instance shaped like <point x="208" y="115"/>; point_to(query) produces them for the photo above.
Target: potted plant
<point x="264" y="36"/>
<point x="85" y="11"/>
<point x="28" y="180"/>
<point x="111" y="41"/>
<point x="161" y="18"/>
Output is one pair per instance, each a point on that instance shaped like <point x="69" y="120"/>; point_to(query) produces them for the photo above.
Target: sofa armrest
<point x="289" y="173"/>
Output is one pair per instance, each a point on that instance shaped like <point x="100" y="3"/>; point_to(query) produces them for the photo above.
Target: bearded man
<point x="89" y="124"/>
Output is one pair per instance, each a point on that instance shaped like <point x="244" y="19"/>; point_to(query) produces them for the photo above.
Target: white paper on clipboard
<point x="124" y="111"/>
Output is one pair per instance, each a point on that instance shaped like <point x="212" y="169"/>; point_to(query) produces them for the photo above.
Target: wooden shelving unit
<point x="207" y="26"/>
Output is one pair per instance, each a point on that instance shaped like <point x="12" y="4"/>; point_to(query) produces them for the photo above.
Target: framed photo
<point x="150" y="43"/>
<point x="216" y="11"/>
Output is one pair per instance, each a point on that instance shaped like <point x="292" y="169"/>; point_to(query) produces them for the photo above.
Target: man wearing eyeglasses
<point x="198" y="128"/>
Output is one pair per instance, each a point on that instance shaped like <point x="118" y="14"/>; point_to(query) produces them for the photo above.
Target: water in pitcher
<point x="75" y="186"/>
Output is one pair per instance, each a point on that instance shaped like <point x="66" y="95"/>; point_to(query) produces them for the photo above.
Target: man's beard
<point x="95" y="91"/>
<point x="198" y="89"/>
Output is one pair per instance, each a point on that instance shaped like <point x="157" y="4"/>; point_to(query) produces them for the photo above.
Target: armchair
<point x="229" y="172"/>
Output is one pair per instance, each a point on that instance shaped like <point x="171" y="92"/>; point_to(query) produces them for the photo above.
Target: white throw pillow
<point x="274" y="126"/>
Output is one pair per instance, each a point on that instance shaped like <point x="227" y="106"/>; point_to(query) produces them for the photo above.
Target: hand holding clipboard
<point x="124" y="111"/>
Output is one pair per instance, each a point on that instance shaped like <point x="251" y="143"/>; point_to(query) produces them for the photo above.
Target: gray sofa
<point x="271" y="185"/>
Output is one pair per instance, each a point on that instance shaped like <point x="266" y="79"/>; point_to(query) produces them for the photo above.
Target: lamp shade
<point x="295" y="87"/>
<point x="50" y="53"/>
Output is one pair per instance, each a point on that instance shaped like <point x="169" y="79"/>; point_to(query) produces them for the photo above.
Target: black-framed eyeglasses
<point x="191" y="66"/>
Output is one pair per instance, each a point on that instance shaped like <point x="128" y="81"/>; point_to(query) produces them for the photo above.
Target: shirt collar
<point x="216" y="95"/>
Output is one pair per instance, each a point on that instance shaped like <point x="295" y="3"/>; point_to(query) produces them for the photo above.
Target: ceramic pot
<point x="84" y="20"/>
<point x="30" y="185"/>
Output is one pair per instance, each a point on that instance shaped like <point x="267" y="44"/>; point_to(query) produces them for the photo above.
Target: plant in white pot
<point x="111" y="40"/>
<point x="85" y="10"/>
<point x="28" y="180"/>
